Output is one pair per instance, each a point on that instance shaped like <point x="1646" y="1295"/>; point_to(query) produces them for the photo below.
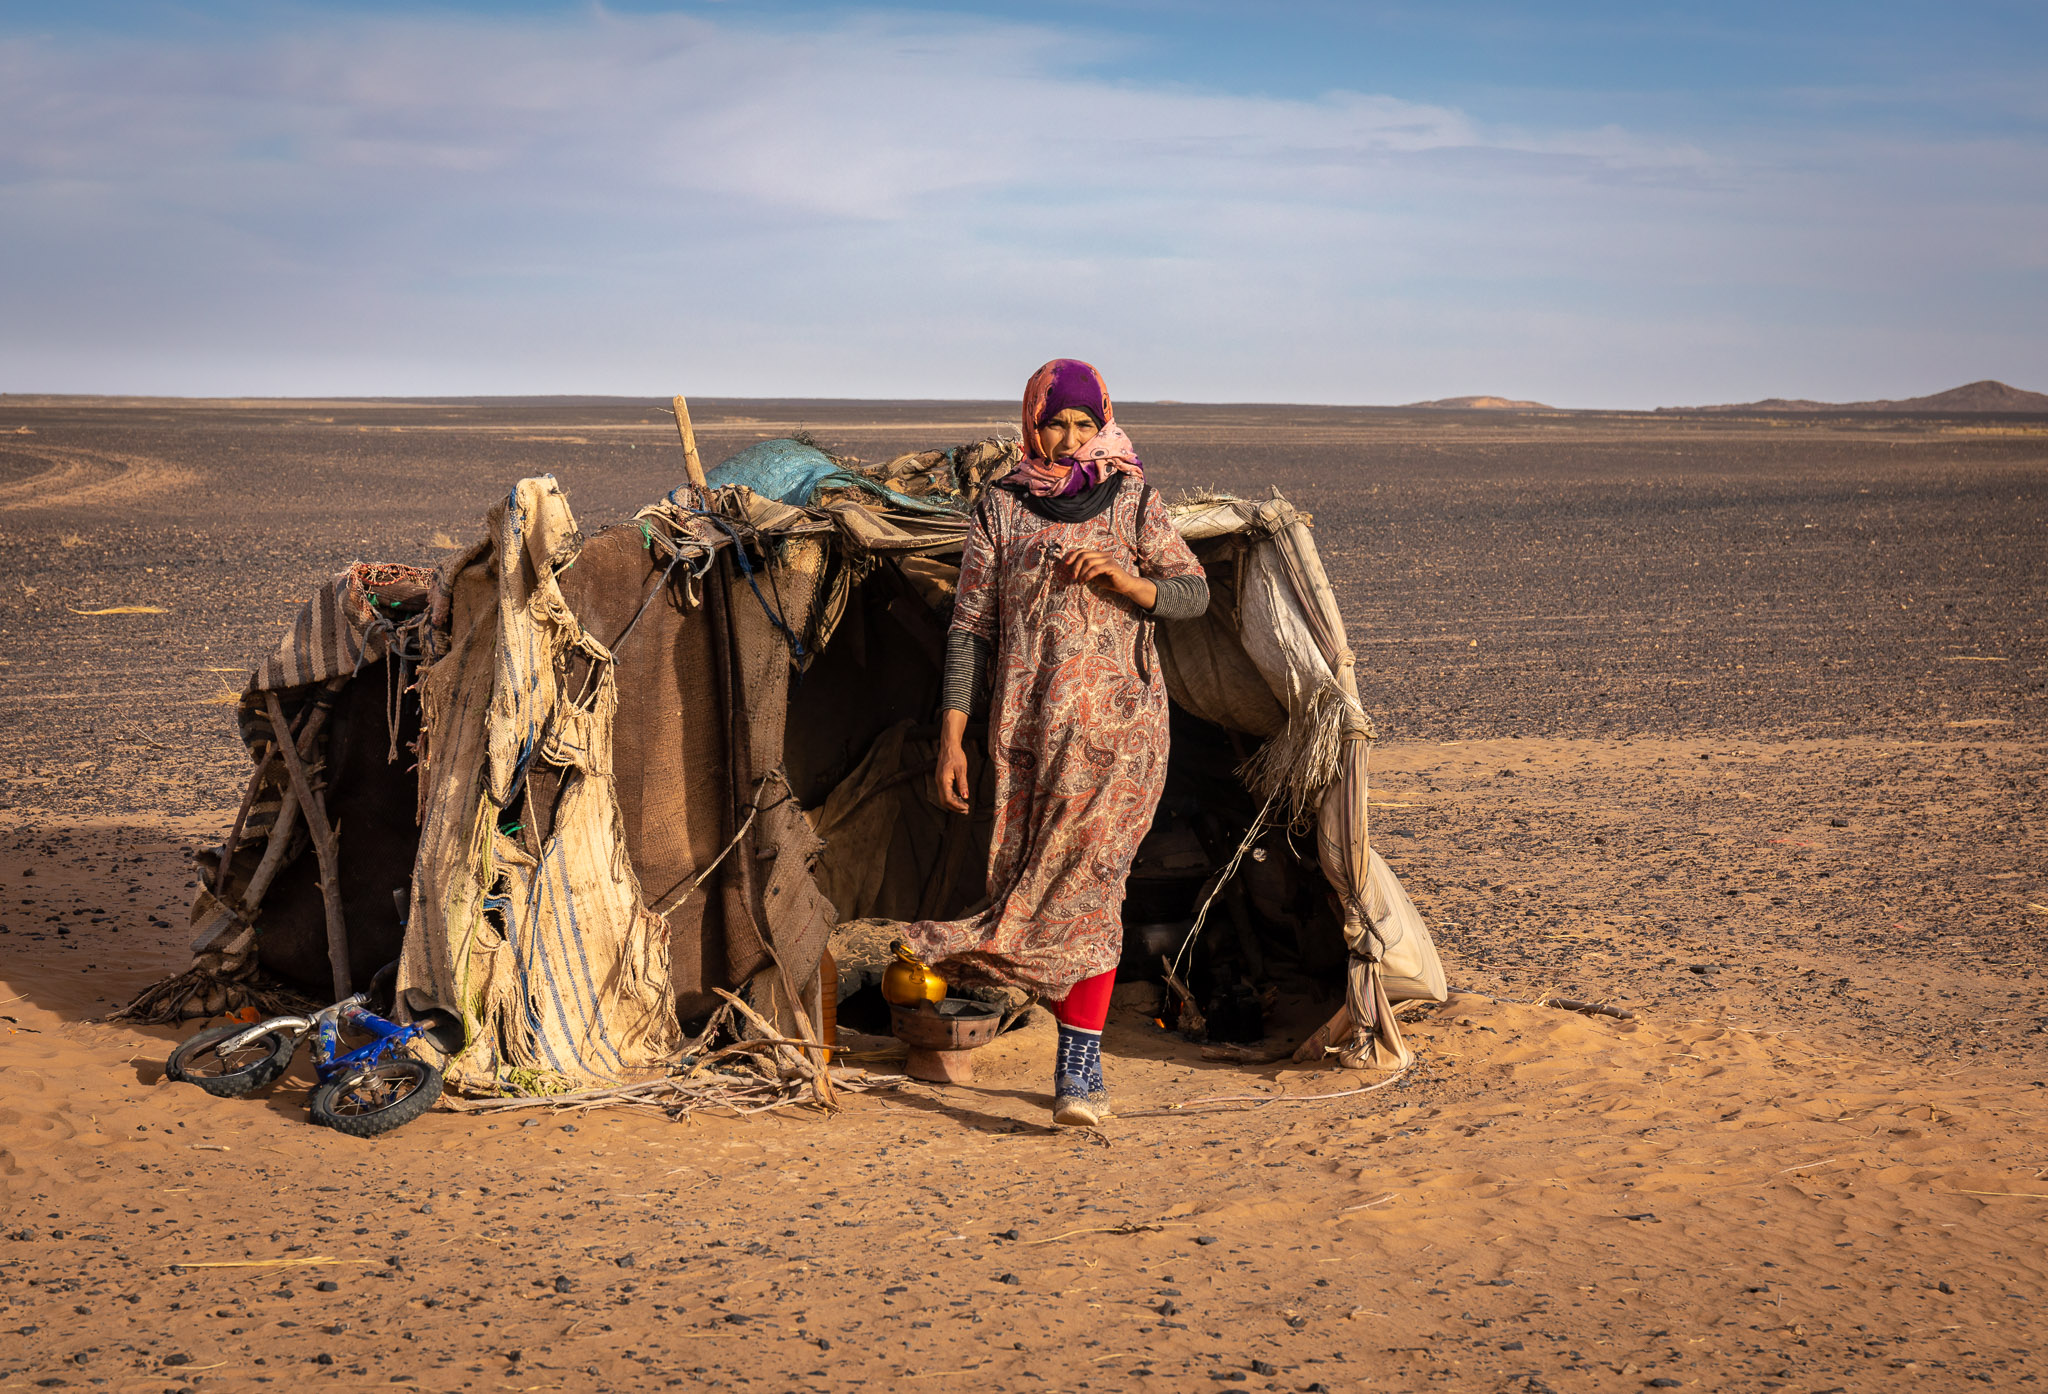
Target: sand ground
<point x="1650" y="738"/>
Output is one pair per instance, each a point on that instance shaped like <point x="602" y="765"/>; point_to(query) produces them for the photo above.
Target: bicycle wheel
<point x="228" y="1075"/>
<point x="377" y="1098"/>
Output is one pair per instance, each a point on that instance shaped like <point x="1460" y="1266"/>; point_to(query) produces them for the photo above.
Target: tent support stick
<point x="691" y="460"/>
<point x="287" y="812"/>
<point x="325" y="845"/>
<point x="234" y="837"/>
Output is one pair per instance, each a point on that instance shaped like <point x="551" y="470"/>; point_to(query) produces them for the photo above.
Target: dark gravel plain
<point x="1502" y="575"/>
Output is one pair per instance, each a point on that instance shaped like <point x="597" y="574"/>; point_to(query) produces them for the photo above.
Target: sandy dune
<point x="1745" y="1187"/>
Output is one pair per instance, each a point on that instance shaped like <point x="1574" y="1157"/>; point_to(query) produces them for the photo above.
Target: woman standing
<point x="1069" y="560"/>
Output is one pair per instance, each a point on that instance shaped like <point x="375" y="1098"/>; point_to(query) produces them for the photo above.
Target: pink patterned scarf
<point x="1060" y="384"/>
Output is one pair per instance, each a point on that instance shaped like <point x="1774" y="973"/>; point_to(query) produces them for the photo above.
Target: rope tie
<point x="739" y="552"/>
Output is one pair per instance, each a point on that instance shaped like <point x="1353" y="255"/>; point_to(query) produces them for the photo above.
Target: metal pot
<point x="908" y="981"/>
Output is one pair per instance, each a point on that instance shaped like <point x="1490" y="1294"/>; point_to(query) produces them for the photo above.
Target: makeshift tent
<point x="661" y="765"/>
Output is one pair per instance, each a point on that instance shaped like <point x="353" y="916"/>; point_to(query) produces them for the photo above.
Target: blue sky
<point x="1591" y="204"/>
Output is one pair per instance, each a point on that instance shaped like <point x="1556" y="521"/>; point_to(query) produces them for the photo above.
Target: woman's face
<point x="1060" y="436"/>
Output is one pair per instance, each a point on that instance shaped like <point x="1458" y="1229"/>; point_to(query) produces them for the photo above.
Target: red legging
<point x="1086" y="1005"/>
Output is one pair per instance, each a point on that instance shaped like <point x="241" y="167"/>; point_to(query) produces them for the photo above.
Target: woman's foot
<point x="1078" y="1100"/>
<point x="1071" y="1107"/>
<point x="1098" y="1091"/>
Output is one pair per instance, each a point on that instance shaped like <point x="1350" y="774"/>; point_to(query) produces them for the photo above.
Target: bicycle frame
<point x="325" y="1026"/>
<point x="386" y="1038"/>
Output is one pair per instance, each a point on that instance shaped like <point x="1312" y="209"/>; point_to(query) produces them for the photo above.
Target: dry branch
<point x="1573" y="1004"/>
<point x="753" y="1074"/>
<point x="678" y="1096"/>
<point x="1192" y="1022"/>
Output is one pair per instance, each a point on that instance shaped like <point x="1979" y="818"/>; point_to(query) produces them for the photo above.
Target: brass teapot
<point x="909" y="980"/>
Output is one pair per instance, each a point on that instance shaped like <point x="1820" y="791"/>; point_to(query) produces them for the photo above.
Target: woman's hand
<point x="954" y="786"/>
<point x="1091" y="568"/>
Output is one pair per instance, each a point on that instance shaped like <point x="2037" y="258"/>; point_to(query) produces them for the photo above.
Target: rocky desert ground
<point x="1736" y="722"/>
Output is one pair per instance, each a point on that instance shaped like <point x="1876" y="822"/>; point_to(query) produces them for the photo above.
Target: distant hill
<point x="1483" y="404"/>
<point x="1985" y="396"/>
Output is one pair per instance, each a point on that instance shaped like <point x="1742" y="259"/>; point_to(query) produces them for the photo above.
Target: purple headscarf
<point x="1059" y="385"/>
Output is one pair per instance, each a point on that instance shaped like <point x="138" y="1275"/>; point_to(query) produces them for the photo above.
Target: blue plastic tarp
<point x="789" y="471"/>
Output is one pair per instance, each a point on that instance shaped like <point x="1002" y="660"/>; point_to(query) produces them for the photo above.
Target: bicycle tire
<point x="374" y="1099"/>
<point x="198" y="1061"/>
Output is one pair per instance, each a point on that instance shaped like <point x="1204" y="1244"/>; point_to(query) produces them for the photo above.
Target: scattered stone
<point x="327" y="1285"/>
<point x="1205" y="1239"/>
<point x="1261" y="1367"/>
<point x="564" y="1285"/>
<point x="1012" y="1279"/>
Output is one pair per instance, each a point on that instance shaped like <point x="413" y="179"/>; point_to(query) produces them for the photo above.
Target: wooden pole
<point x="325" y="847"/>
<point x="280" y="837"/>
<point x="234" y="837"/>
<point x="691" y="460"/>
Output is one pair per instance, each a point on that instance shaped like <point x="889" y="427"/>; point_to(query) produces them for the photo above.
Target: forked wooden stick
<point x="325" y="845"/>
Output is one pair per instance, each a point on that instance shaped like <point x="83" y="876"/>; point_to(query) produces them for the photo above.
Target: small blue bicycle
<point x="370" y="1089"/>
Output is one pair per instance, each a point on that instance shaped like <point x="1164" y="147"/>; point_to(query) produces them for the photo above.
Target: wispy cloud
<point x="905" y="205"/>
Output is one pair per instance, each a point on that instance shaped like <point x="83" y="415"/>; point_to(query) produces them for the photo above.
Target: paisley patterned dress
<point x="1077" y="735"/>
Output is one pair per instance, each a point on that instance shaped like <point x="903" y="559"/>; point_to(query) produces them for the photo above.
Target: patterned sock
<point x="1096" y="1088"/>
<point x="1077" y="1067"/>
